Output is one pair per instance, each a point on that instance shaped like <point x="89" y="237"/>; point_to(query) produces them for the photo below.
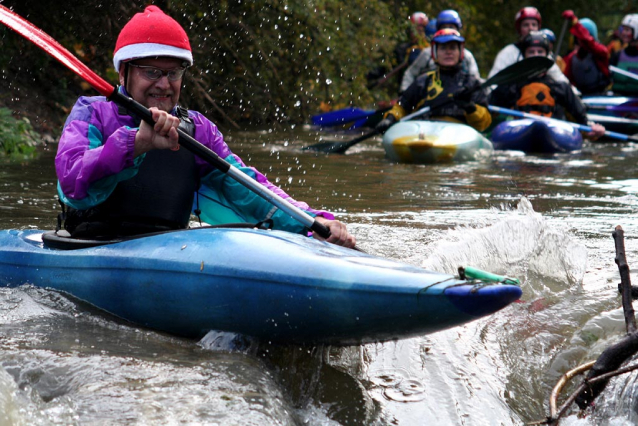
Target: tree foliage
<point x="257" y="62"/>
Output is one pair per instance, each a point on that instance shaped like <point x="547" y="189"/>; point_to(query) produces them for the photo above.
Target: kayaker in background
<point x="587" y="66"/>
<point x="430" y="29"/>
<point x="410" y="49"/>
<point x="405" y="52"/>
<point x="119" y="176"/>
<point x="627" y="58"/>
<point x="527" y="19"/>
<point x="424" y="62"/>
<point x="618" y="41"/>
<point x="551" y="37"/>
<point x="543" y="95"/>
<point x="469" y="106"/>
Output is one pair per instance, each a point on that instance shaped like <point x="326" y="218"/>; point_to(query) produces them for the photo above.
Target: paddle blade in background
<point x="353" y="118"/>
<point x="341" y="116"/>
<point x="527" y="68"/>
<point x="53" y="48"/>
<point x="622" y="109"/>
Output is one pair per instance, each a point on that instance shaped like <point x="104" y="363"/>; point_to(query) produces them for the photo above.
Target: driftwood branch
<point x="625" y="280"/>
<point x="553" y="404"/>
<point x="614" y="356"/>
<point x="556" y="414"/>
<point x="608" y="363"/>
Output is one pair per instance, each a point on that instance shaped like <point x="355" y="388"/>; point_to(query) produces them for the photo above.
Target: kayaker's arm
<point x="480" y="119"/>
<point x="338" y="233"/>
<point x="88" y="164"/>
<point x="473" y="100"/>
<point x="577" y="109"/>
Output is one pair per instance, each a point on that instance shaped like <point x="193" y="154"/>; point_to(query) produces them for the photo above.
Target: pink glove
<point x="569" y="15"/>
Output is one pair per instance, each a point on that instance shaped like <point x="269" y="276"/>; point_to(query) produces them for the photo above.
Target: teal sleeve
<point x="222" y="200"/>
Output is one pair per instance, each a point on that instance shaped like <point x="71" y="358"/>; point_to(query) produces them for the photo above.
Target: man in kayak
<point x="424" y="62"/>
<point x="119" y="176"/>
<point x="454" y="94"/>
<point x="587" y="66"/>
<point x="627" y="58"/>
<point x="543" y="95"/>
<point x="527" y="19"/>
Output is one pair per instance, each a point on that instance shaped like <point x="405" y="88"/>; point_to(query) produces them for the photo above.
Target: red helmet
<point x="526" y="13"/>
<point x="419" y="18"/>
<point x="447" y="35"/>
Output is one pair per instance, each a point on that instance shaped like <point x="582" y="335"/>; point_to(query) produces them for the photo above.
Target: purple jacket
<point x="96" y="152"/>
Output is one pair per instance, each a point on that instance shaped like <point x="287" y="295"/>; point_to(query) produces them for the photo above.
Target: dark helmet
<point x="535" y="38"/>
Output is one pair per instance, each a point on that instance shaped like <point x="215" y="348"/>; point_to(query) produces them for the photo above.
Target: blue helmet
<point x="590" y="26"/>
<point x="448" y="17"/>
<point x="549" y="34"/>
<point x="430" y="29"/>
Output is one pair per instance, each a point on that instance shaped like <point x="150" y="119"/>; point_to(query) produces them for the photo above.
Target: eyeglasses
<point x="154" y="73"/>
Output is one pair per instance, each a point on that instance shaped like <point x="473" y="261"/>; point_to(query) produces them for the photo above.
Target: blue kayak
<point x="616" y="113"/>
<point x="272" y="285"/>
<point x="538" y="136"/>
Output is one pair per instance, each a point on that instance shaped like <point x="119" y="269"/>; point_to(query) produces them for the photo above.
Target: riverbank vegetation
<point x="257" y="63"/>
<point x="18" y="139"/>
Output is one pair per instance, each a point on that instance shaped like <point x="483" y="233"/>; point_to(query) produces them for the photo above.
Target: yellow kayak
<point x="428" y="142"/>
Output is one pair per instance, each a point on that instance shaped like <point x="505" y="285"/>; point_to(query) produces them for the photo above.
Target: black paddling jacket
<point x="542" y="95"/>
<point x="438" y="84"/>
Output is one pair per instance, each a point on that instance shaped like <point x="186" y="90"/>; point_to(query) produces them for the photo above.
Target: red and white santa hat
<point x="152" y="33"/>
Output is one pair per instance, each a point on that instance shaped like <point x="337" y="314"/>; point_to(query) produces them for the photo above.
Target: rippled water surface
<point x="544" y="219"/>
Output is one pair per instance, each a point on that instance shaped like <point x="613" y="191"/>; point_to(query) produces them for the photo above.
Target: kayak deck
<point x="430" y="142"/>
<point x="536" y="136"/>
<point x="272" y="285"/>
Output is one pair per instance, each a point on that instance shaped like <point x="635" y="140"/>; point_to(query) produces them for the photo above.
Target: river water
<point x="544" y="219"/>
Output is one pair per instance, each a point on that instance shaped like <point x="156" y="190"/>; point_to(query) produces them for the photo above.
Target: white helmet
<point x="631" y="21"/>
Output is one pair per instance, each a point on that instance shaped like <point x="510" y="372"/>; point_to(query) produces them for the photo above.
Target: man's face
<point x="528" y="25"/>
<point x="161" y="93"/>
<point x="448" y="54"/>
<point x="535" y="51"/>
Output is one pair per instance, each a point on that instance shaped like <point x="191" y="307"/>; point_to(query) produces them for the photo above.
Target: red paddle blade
<point x="53" y="48"/>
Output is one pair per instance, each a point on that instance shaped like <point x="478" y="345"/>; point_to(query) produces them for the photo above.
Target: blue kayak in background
<point x="273" y="285"/>
<point x="616" y="113"/>
<point x="536" y="136"/>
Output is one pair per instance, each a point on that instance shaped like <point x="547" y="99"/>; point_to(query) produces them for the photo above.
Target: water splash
<point x="522" y="245"/>
<point x="222" y="341"/>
